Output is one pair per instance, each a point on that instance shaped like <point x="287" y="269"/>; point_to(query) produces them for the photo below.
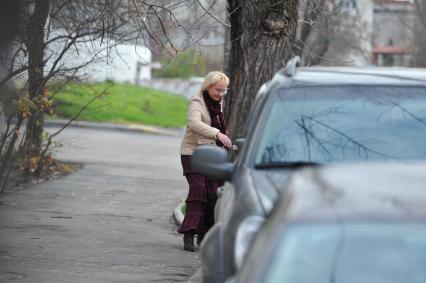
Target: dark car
<point x="345" y="224"/>
<point x="304" y="117"/>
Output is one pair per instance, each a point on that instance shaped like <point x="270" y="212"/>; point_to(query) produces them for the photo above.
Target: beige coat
<point x="198" y="128"/>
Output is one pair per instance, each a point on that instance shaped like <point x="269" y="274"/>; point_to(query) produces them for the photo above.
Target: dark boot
<point x="188" y="242"/>
<point x="200" y="238"/>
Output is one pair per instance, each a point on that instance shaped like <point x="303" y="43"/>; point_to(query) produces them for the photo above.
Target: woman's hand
<point x="224" y="139"/>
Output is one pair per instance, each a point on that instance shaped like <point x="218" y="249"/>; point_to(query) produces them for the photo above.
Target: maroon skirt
<point x="201" y="199"/>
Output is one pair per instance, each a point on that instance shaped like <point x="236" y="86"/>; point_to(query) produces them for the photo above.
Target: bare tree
<point x="51" y="36"/>
<point x="50" y="30"/>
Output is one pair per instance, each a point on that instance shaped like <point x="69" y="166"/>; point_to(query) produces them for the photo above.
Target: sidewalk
<point x="177" y="214"/>
<point x="109" y="222"/>
<point x="176" y="132"/>
<point x="178" y="217"/>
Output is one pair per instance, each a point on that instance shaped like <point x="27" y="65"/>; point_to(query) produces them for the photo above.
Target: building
<point x="120" y="54"/>
<point x="112" y="61"/>
<point x="393" y="24"/>
<point x="383" y="29"/>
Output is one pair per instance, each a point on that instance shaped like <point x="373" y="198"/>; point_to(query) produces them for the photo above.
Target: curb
<point x="177" y="213"/>
<point x="116" y="127"/>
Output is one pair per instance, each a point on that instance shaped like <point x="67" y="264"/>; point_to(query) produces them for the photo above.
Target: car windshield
<point x="345" y="123"/>
<point x="379" y="253"/>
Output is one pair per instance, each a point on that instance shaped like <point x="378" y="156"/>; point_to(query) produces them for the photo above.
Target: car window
<point x="346" y="123"/>
<point x="350" y="253"/>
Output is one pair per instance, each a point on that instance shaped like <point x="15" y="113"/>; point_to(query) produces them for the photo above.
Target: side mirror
<point x="213" y="162"/>
<point x="239" y="143"/>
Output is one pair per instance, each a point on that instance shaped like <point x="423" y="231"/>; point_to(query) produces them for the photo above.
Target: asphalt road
<point x="108" y="222"/>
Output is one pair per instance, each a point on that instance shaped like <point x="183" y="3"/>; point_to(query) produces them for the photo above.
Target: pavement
<point x="108" y="222"/>
<point x="177" y="211"/>
<point x="178" y="217"/>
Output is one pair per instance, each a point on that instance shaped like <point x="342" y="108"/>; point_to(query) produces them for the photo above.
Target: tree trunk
<point x="262" y="38"/>
<point x="226" y="49"/>
<point x="36" y="83"/>
<point x="5" y="161"/>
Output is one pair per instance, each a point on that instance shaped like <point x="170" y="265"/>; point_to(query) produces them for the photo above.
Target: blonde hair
<point x="212" y="78"/>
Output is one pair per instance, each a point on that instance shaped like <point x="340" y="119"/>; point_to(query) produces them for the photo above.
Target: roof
<point x="361" y="191"/>
<point x="352" y="76"/>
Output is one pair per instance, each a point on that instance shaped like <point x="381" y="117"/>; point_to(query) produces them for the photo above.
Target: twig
<point x="211" y="15"/>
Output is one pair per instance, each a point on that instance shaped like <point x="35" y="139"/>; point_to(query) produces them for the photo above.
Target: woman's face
<point x="218" y="90"/>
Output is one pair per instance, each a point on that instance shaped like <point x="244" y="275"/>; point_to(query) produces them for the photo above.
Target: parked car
<point x="348" y="224"/>
<point x="304" y="117"/>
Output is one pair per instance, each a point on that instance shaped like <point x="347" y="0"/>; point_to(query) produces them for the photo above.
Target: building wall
<point x="393" y="23"/>
<point x="117" y="62"/>
<point x="393" y="32"/>
<point x="366" y="30"/>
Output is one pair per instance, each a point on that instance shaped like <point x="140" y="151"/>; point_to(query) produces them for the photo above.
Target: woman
<point x="205" y="125"/>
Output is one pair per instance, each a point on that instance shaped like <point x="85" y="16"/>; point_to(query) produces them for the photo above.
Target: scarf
<point x="216" y="115"/>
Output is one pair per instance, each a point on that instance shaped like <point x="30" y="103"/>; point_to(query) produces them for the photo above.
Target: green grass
<point x="121" y="103"/>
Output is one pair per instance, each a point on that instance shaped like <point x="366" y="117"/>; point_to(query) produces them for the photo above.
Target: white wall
<point x="186" y="88"/>
<point x="122" y="68"/>
<point x="110" y="61"/>
<point x="365" y="28"/>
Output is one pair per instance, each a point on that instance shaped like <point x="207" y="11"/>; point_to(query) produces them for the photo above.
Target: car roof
<point x="359" y="191"/>
<point x="361" y="76"/>
<point x="350" y="76"/>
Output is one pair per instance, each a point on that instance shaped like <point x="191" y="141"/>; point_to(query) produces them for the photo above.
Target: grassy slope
<point x="122" y="103"/>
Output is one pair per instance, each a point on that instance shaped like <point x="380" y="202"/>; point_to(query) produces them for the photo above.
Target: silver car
<point x="348" y="224"/>
<point x="307" y="117"/>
